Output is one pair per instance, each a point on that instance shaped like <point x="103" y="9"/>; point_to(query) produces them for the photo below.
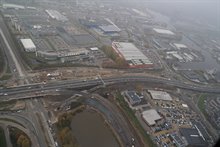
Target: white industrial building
<point x="163" y="31"/>
<point x="160" y="95"/>
<point x="28" y="45"/>
<point x="139" y="12"/>
<point x="188" y="57"/>
<point x="180" y="46"/>
<point x="182" y="57"/>
<point x="165" y="34"/>
<point x="151" y="116"/>
<point x="109" y="28"/>
<point x="12" y="6"/>
<point x="131" y="54"/>
<point x="65" y="56"/>
<point x="176" y="55"/>
<point x="94" y="49"/>
<point x="56" y="15"/>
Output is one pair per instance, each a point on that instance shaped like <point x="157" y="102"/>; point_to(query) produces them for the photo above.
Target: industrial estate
<point x="106" y="74"/>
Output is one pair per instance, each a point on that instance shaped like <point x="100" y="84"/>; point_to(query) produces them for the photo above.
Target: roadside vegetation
<point x="65" y="134"/>
<point x="2" y="138"/>
<point x="19" y="138"/>
<point x="5" y="72"/>
<point x="118" y="62"/>
<point x="6" y="76"/>
<point x="135" y="122"/>
<point x="201" y="104"/>
<point x="2" y="62"/>
<point x="7" y="105"/>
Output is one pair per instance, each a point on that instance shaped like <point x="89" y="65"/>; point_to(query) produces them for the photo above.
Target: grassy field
<point x="131" y="115"/>
<point x="2" y="138"/>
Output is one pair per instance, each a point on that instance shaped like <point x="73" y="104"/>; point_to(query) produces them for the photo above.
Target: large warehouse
<point x="160" y="95"/>
<point x="134" y="57"/>
<point x="151" y="116"/>
<point x="28" y="45"/>
<point x="164" y="33"/>
<point x="109" y="29"/>
<point x="56" y="15"/>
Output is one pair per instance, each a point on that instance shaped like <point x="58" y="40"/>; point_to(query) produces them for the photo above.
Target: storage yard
<point x="169" y="120"/>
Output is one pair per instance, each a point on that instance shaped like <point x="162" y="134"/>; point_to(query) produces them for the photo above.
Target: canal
<point x="90" y="130"/>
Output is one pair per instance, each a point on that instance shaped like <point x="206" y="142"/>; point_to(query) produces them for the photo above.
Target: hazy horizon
<point x="204" y="10"/>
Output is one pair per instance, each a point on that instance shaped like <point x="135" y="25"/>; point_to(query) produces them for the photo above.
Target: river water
<point x="90" y="130"/>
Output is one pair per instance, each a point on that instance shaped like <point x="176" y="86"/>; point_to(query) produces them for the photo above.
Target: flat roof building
<point x="165" y="34"/>
<point x="94" y="49"/>
<point x="160" y="95"/>
<point x="28" y="45"/>
<point x="102" y="26"/>
<point x="131" y="54"/>
<point x="151" y="116"/>
<point x="193" y="137"/>
<point x="176" y="55"/>
<point x="56" y="15"/>
<point x="180" y="46"/>
<point x="12" y="6"/>
<point x="163" y="31"/>
<point x="133" y="97"/>
<point x="110" y="29"/>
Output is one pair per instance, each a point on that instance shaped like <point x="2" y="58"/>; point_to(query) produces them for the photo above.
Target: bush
<point x="119" y="62"/>
<point x="19" y="138"/>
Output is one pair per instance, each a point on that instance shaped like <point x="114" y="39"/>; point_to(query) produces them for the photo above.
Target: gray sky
<point x="205" y="10"/>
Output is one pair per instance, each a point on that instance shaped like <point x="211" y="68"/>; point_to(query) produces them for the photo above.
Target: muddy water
<point x="90" y="130"/>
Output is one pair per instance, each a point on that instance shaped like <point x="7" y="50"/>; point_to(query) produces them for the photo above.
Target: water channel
<point x="90" y="130"/>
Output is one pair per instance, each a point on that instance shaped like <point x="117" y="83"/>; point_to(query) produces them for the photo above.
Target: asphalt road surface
<point x="74" y="84"/>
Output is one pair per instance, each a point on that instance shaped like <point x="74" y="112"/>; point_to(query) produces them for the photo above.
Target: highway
<point x="7" y="135"/>
<point x="75" y="84"/>
<point x="17" y="65"/>
<point x="23" y="124"/>
<point x="34" y="107"/>
<point x="11" y="50"/>
<point x="19" y="72"/>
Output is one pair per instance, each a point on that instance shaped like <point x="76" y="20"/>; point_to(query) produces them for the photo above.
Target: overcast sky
<point x="206" y="10"/>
